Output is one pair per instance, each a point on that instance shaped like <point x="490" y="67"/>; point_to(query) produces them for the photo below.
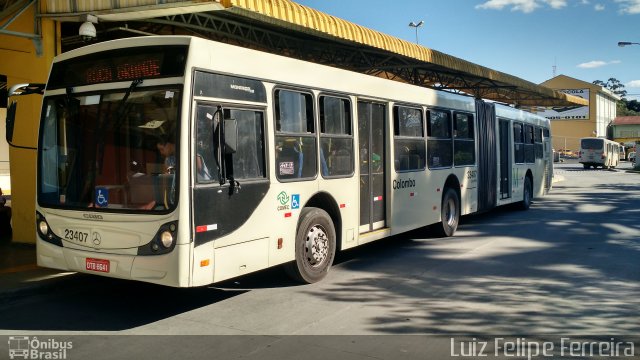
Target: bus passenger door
<point x="371" y="134"/>
<point x="219" y="210"/>
<point x="505" y="160"/>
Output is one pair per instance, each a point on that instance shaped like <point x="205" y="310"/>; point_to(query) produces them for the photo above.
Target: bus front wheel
<point x="315" y="246"/>
<point x="449" y="213"/>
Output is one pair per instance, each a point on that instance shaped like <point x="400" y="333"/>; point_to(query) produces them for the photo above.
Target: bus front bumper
<point x="158" y="269"/>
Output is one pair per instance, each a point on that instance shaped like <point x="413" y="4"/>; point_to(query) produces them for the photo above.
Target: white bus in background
<point x="598" y="152"/>
<point x="302" y="160"/>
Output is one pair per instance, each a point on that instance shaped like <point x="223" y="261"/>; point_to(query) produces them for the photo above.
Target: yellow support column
<point x="21" y="64"/>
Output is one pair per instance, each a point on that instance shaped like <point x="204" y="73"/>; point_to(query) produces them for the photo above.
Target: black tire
<point x="315" y="246"/>
<point x="527" y="194"/>
<point x="449" y="213"/>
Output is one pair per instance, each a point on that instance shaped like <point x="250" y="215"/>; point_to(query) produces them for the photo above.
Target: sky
<point x="524" y="38"/>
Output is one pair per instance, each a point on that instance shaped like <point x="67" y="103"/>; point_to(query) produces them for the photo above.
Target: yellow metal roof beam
<point x="291" y="15"/>
<point x="386" y="56"/>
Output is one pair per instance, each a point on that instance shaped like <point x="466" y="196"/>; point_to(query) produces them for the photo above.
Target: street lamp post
<point x="623" y="44"/>
<point x="416" y="25"/>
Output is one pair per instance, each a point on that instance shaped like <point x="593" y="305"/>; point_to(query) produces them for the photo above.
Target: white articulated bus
<point x="596" y="152"/>
<point x="182" y="161"/>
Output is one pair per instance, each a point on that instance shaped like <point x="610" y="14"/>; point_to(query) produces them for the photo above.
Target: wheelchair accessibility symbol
<point x="295" y="201"/>
<point x="102" y="197"/>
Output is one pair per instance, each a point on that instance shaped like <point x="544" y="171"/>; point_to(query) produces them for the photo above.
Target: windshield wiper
<point x="102" y="133"/>
<point x="123" y="103"/>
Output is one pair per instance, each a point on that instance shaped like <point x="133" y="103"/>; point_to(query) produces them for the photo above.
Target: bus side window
<point x="518" y="143"/>
<point x="248" y="160"/>
<point x="205" y="163"/>
<point x="296" y="148"/>
<point x="464" y="143"/>
<point x="336" y="137"/>
<point x="439" y="142"/>
<point x="410" y="149"/>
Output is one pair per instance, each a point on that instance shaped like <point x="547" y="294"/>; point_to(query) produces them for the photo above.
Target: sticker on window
<point x="286" y="168"/>
<point x="102" y="197"/>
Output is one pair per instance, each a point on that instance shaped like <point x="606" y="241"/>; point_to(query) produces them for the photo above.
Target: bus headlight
<point x="163" y="242"/>
<point x="45" y="232"/>
<point x="43" y="227"/>
<point x="166" y="238"/>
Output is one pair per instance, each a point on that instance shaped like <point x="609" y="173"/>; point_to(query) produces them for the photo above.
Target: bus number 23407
<point x="74" y="235"/>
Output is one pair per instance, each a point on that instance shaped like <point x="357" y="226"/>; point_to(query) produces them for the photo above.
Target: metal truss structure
<point x="278" y="37"/>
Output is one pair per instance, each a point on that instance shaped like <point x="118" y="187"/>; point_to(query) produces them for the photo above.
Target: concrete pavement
<point x="20" y="275"/>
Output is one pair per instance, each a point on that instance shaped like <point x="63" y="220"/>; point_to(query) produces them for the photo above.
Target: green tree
<point x="634" y="105"/>
<point x="614" y="85"/>
<point x="624" y="107"/>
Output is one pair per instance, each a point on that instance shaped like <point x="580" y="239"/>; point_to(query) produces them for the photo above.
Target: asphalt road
<point x="569" y="265"/>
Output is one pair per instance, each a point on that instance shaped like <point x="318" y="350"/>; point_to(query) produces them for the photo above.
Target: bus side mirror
<point x="18" y="90"/>
<point x="10" y="121"/>
<point x="230" y="136"/>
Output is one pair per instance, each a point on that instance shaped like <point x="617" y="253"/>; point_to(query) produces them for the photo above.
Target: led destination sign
<point x="131" y="70"/>
<point x="119" y="65"/>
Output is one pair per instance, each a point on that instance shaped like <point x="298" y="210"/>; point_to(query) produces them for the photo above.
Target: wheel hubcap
<point x="450" y="213"/>
<point x="317" y="245"/>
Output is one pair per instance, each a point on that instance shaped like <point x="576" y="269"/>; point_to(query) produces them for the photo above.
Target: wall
<point x="566" y="134"/>
<point x="606" y="113"/>
<point x="21" y="64"/>
<point x="626" y="133"/>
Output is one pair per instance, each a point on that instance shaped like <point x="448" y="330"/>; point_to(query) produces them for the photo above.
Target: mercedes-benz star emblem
<point x="96" y="239"/>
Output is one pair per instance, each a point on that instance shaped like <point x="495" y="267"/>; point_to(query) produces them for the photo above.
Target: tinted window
<point x="409" y="144"/>
<point x="538" y="141"/>
<point x="518" y="143"/>
<point x="440" y="143"/>
<point x="336" y="140"/>
<point x="408" y="122"/>
<point x="439" y="125"/>
<point x="529" y="149"/>
<point x="294" y="112"/>
<point x="248" y="160"/>
<point x="335" y="116"/>
<point x="591" y="144"/>
<point x="464" y="144"/>
<point x="296" y="152"/>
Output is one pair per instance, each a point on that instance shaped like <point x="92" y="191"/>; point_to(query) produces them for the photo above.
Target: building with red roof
<point x="626" y="129"/>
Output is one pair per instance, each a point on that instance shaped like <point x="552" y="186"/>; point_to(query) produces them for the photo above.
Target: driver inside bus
<point x="165" y="189"/>
<point x="167" y="149"/>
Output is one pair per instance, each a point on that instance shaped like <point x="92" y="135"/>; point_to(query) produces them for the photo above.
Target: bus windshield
<point x="591" y="144"/>
<point x="110" y="151"/>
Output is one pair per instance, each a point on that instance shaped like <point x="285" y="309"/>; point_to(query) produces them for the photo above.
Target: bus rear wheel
<point x="449" y="213"/>
<point x="527" y="194"/>
<point x="315" y="246"/>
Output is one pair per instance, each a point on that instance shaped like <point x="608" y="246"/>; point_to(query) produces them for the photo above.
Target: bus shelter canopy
<point x="285" y="27"/>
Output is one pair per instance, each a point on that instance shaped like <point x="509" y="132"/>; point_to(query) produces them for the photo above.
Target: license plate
<point x="99" y="265"/>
